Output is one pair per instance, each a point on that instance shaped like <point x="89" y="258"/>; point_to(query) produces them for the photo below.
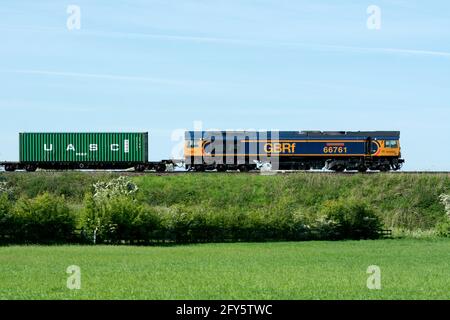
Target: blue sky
<point x="159" y="66"/>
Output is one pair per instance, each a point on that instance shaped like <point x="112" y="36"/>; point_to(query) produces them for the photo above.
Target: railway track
<point x="285" y="172"/>
<point x="254" y="172"/>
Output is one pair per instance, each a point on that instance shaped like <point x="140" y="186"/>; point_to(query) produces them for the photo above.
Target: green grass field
<point x="410" y="269"/>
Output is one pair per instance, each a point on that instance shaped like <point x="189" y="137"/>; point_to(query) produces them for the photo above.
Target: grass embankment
<point x="408" y="201"/>
<point x="410" y="269"/>
<point x="402" y="201"/>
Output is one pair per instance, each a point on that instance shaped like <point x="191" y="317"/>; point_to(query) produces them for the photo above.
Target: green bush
<point x="443" y="228"/>
<point x="180" y="224"/>
<point x="93" y="220"/>
<point x="119" y="219"/>
<point x="108" y="219"/>
<point x="7" y="222"/>
<point x="325" y="228"/>
<point x="6" y="189"/>
<point x="299" y="227"/>
<point x="122" y="212"/>
<point x="351" y="219"/>
<point x="44" y="219"/>
<point x="147" y="224"/>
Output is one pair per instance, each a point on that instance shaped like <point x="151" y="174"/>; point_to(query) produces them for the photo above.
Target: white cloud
<point x="385" y="50"/>
<point x="233" y="41"/>
<point x="107" y="77"/>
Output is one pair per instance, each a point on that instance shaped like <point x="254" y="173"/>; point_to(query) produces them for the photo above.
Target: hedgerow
<point x="217" y="207"/>
<point x="44" y="219"/>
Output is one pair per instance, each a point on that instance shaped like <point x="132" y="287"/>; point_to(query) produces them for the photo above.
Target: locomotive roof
<point x="394" y="134"/>
<point x="352" y="133"/>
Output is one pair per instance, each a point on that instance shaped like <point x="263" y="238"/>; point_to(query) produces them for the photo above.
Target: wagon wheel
<point x="30" y="168"/>
<point x="139" y="168"/>
<point x="160" y="167"/>
<point x="10" y="168"/>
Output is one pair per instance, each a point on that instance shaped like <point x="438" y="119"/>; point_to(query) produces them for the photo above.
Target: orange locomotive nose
<point x="193" y="148"/>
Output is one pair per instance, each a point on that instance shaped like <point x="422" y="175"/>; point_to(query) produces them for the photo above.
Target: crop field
<point x="410" y="269"/>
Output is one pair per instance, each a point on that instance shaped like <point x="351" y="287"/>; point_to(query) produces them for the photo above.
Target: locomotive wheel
<point x="243" y="168"/>
<point x="362" y="169"/>
<point x="339" y="168"/>
<point x="385" y="168"/>
<point x="221" y="168"/>
<point x="199" y="168"/>
<point x="303" y="166"/>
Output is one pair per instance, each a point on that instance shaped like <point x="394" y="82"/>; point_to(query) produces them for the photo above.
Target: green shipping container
<point x="126" y="147"/>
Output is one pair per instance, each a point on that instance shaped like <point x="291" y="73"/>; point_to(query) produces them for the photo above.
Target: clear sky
<point x="158" y="66"/>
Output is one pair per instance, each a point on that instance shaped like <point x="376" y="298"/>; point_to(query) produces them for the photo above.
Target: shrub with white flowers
<point x="445" y="200"/>
<point x="110" y="211"/>
<point x="114" y="188"/>
<point x="5" y="189"/>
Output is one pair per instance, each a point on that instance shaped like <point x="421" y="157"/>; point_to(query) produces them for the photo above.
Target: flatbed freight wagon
<point x="87" y="150"/>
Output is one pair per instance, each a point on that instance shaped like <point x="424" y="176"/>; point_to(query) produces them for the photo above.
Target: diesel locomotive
<point x="214" y="150"/>
<point x="293" y="150"/>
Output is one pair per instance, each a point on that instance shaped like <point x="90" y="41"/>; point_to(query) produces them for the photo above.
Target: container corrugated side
<point x="130" y="147"/>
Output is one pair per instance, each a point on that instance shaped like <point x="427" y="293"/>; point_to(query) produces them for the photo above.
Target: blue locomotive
<point x="293" y="150"/>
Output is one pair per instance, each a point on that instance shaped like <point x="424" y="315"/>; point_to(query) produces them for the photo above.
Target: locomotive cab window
<point x="391" y="144"/>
